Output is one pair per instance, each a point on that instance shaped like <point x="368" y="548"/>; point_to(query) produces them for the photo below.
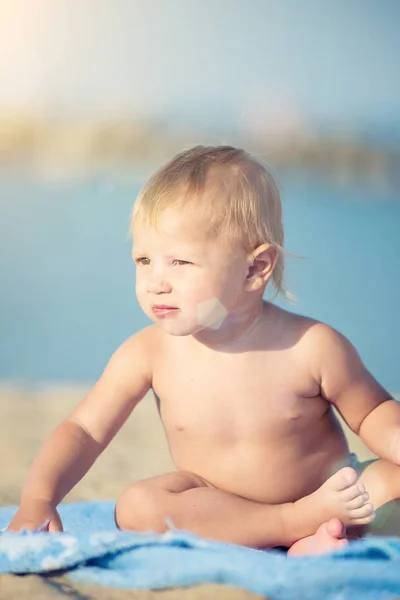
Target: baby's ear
<point x="262" y="262"/>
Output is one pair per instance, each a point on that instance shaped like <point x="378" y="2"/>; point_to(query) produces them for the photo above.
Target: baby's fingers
<point x="55" y="526"/>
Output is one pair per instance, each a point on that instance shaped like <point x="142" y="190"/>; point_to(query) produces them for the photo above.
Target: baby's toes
<point x="358" y="501"/>
<point x="354" y="491"/>
<point x="363" y="514"/>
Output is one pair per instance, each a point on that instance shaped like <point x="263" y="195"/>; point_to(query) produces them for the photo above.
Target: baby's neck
<point x="237" y="333"/>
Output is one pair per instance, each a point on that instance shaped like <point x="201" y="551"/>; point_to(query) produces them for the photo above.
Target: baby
<point x="245" y="389"/>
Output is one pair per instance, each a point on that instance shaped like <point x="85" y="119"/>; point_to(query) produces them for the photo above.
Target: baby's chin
<point x="178" y="329"/>
<point x="177" y="326"/>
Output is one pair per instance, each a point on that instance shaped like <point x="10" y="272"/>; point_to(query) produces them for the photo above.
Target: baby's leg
<point x="194" y="505"/>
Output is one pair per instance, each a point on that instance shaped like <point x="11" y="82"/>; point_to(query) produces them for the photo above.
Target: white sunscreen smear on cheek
<point x="211" y="313"/>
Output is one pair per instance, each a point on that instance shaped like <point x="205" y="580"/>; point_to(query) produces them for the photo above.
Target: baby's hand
<point x="36" y="515"/>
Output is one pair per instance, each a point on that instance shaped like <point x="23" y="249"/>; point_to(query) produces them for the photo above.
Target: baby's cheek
<point x="140" y="282"/>
<point x="140" y="292"/>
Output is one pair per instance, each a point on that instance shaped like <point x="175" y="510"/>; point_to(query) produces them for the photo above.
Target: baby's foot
<point x="343" y="497"/>
<point x="329" y="536"/>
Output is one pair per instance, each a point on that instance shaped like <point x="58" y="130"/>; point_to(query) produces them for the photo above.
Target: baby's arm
<point x="76" y="443"/>
<point x="365" y="405"/>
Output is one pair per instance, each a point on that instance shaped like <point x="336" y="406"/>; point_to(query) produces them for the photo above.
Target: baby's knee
<point x="137" y="509"/>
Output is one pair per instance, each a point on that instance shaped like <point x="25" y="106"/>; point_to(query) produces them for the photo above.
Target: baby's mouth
<point x="160" y="310"/>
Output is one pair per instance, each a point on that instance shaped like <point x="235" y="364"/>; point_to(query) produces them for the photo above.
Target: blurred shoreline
<point x="69" y="147"/>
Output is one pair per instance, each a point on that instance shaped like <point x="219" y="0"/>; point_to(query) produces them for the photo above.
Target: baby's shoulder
<point x="133" y="359"/>
<point x="290" y="322"/>
<point x="306" y="331"/>
<point x="146" y="341"/>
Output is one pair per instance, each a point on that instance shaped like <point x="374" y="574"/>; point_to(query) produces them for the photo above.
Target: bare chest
<point x="235" y="399"/>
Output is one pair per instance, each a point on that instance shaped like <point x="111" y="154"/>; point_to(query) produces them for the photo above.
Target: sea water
<point x="67" y="279"/>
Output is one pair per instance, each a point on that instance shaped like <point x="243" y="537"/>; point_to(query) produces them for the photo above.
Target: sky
<point x="208" y="60"/>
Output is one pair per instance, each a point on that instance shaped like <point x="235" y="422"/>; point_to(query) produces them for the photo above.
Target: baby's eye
<point x="142" y="260"/>
<point x="181" y="262"/>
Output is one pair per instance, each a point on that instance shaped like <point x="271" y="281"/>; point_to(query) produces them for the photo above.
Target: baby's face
<point x="185" y="281"/>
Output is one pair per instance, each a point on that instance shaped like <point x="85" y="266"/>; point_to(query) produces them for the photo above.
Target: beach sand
<point x="139" y="450"/>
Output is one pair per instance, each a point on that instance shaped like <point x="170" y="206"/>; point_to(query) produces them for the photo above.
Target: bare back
<point x="251" y="422"/>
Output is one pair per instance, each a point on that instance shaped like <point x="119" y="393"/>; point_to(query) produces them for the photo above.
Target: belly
<point x="264" y="472"/>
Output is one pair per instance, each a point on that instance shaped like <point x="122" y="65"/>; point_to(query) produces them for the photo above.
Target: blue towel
<point x="92" y="550"/>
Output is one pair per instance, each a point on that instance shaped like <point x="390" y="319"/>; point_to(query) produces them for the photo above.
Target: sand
<point x="139" y="450"/>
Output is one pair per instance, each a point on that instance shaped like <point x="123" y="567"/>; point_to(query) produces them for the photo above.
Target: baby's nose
<point x="158" y="287"/>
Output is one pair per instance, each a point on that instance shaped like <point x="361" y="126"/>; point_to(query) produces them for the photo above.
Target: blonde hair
<point x="242" y="204"/>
